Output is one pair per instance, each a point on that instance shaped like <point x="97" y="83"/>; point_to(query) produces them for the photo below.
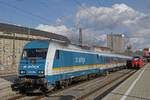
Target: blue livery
<point x="46" y="64"/>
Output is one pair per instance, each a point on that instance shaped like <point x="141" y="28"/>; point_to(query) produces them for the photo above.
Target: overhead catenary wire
<point x="99" y="2"/>
<point x="43" y="3"/>
<point x="83" y="7"/>
<point x="62" y="18"/>
<point x="87" y="10"/>
<point x="46" y="20"/>
<point x="43" y="19"/>
<point x="137" y="37"/>
<point x="78" y="3"/>
<point x="24" y="11"/>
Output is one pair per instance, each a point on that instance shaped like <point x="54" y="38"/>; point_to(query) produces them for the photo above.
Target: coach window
<point x="101" y="59"/>
<point x="104" y="59"/>
<point x="97" y="56"/>
<point x="57" y="54"/>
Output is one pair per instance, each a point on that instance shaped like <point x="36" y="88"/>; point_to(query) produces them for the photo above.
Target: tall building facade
<point x="116" y="42"/>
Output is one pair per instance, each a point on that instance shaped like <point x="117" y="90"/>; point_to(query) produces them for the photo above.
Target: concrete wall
<point x="11" y="49"/>
<point x="9" y="55"/>
<point x="10" y="52"/>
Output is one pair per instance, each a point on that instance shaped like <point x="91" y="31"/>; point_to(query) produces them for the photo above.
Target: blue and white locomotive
<point x="47" y="64"/>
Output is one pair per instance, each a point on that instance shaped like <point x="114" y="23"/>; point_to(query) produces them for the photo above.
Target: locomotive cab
<point x="33" y="62"/>
<point x="31" y="71"/>
<point x="137" y="62"/>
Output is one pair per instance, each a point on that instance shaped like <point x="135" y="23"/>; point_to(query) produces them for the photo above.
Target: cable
<point x="62" y="18"/>
<point x="5" y="21"/>
<point x="133" y="37"/>
<point x="43" y="3"/>
<point x="99" y="2"/>
<point x="78" y="3"/>
<point x="92" y="14"/>
<point x="25" y="12"/>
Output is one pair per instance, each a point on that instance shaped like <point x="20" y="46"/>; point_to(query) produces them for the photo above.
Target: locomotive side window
<point x="57" y="54"/>
<point x="97" y="56"/>
<point x="24" y="54"/>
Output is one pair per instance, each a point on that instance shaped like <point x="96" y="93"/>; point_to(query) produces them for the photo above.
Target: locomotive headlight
<point x="22" y="71"/>
<point x="41" y="72"/>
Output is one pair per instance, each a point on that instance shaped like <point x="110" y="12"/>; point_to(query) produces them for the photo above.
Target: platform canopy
<point x="8" y="28"/>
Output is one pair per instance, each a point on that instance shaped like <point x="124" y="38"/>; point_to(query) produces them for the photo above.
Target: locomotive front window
<point x="34" y="53"/>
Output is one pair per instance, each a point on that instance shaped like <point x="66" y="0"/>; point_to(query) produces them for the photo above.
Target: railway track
<point x="93" y="89"/>
<point x="106" y="88"/>
<point x="87" y="90"/>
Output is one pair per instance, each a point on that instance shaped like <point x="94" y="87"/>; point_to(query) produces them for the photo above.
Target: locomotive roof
<point x="37" y="44"/>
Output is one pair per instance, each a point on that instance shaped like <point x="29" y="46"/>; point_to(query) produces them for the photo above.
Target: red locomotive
<point x="137" y="62"/>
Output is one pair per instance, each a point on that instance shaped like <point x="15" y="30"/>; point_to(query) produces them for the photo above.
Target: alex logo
<point x="79" y="60"/>
<point x="31" y="66"/>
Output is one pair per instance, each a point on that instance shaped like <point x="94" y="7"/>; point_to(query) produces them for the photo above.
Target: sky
<point x="96" y="17"/>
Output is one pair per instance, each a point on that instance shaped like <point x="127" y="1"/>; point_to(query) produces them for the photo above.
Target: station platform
<point x="137" y="87"/>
